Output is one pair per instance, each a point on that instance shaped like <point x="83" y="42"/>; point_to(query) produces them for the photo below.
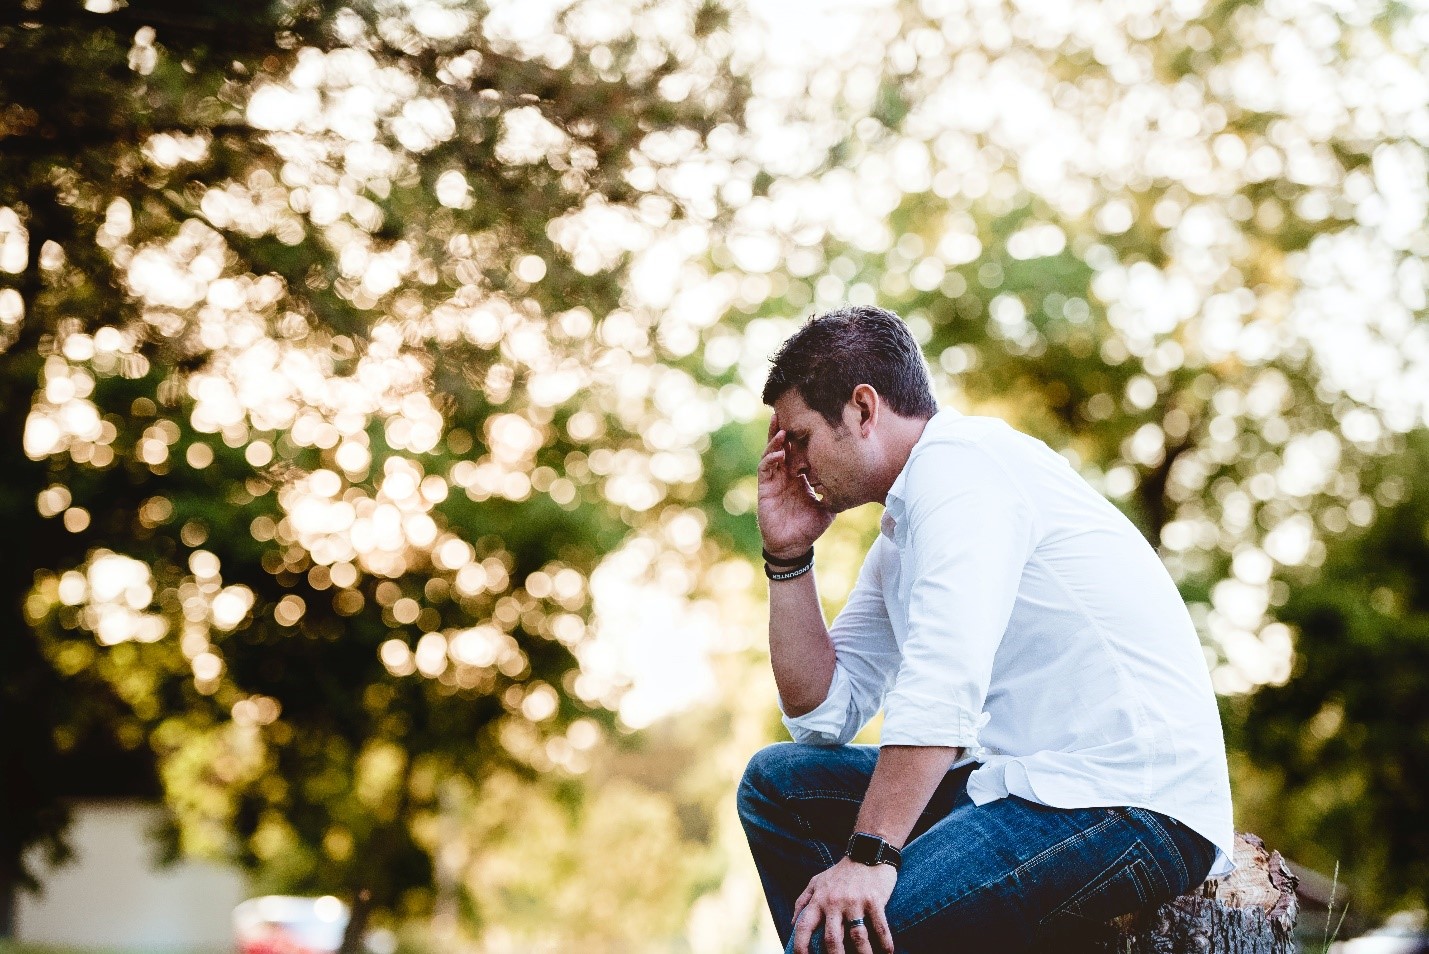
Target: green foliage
<point x="1338" y="753"/>
<point x="320" y="399"/>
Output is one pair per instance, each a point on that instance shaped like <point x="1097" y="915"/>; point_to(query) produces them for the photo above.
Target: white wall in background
<point x="113" y="895"/>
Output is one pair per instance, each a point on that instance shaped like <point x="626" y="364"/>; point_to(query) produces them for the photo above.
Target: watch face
<point x="865" y="849"/>
<point x="869" y="849"/>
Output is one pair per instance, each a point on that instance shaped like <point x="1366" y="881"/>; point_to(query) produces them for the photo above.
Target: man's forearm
<point x="903" y="781"/>
<point x="800" y="650"/>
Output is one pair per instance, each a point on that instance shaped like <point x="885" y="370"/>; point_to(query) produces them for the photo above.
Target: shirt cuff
<point x="826" y="723"/>
<point x="907" y="723"/>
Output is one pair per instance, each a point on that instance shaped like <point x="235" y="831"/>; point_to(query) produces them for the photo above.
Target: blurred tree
<point x="1182" y="243"/>
<point x="323" y="396"/>
<point x="1334" y="759"/>
<point x="323" y="321"/>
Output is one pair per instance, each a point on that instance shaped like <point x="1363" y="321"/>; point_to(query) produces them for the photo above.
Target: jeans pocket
<point x="1127" y="884"/>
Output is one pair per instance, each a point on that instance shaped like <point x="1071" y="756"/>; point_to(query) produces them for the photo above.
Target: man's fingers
<point x="803" y="900"/>
<point x="772" y="466"/>
<point x="774" y="454"/>
<point x="779" y="445"/>
<point x="861" y="942"/>
<point x="773" y="424"/>
<point x="834" y="933"/>
<point x="780" y="440"/>
<point x="879" y="922"/>
<point x="804" y="924"/>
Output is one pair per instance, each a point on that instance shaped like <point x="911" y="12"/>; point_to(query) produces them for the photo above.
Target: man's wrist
<point x="792" y="558"/>
<point x="781" y="568"/>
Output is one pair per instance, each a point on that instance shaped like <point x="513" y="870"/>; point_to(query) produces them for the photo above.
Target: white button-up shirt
<point x="1007" y="608"/>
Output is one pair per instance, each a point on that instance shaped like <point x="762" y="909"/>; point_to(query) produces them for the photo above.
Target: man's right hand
<point x="791" y="517"/>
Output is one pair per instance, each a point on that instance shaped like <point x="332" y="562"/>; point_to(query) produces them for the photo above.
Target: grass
<point x="1330" y="937"/>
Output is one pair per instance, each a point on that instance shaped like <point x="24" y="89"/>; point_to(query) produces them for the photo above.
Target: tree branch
<point x="70" y="140"/>
<point x="241" y="34"/>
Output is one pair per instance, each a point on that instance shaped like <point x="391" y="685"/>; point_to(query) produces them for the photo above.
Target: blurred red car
<point x="283" y="924"/>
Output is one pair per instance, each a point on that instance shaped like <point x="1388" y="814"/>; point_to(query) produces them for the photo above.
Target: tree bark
<point x="1251" y="911"/>
<point x="352" y="935"/>
<point x="7" y="903"/>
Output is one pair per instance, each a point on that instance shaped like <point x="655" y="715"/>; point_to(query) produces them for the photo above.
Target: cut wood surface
<point x="1250" y="911"/>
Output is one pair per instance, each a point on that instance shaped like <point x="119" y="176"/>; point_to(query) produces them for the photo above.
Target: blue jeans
<point x="1000" y="878"/>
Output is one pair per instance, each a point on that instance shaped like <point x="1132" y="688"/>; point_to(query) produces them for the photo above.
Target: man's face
<point x="828" y="457"/>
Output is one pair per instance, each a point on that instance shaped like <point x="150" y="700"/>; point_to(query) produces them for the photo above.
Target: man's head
<point x="851" y="393"/>
<point x="837" y="351"/>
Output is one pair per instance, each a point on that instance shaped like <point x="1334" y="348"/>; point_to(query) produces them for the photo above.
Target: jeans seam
<point x="805" y="794"/>
<point x="949" y="902"/>
<point x="1064" y="843"/>
<point x="811" y="794"/>
<point x="1167" y="843"/>
<point x="1135" y="868"/>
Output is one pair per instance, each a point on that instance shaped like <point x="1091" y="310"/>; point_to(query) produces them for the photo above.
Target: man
<point x="1051" y="755"/>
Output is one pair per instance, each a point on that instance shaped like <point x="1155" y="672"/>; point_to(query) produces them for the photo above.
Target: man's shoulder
<point x="949" y="431"/>
<point x="965" y="451"/>
<point x="959" y="452"/>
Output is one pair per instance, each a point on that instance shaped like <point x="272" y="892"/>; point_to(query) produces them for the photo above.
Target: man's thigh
<point x="1001" y="876"/>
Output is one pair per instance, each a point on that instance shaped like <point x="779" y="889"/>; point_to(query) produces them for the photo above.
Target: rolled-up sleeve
<point x="969" y="534"/>
<point x="865" y="661"/>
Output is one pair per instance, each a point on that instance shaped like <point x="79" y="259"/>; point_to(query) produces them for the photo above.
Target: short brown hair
<point x="835" y="352"/>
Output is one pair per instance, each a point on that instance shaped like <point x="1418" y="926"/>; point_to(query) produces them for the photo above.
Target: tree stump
<point x="1251" y="911"/>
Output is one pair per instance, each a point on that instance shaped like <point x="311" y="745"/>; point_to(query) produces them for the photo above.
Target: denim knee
<point x="766" y="775"/>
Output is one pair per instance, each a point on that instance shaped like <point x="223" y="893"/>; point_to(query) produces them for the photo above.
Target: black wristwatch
<point x="871" y="850"/>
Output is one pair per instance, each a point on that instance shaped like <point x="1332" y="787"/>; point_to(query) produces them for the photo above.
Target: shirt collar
<point x="895" y="505"/>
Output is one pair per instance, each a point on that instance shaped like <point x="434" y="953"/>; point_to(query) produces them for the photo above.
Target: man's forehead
<point x="793" y="412"/>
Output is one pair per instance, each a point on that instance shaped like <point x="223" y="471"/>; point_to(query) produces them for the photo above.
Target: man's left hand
<point x="845" y="893"/>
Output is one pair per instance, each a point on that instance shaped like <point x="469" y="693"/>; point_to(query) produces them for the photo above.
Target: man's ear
<point x="867" y="404"/>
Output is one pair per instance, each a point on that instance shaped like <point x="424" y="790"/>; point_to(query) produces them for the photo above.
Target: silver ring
<point x="856" y="922"/>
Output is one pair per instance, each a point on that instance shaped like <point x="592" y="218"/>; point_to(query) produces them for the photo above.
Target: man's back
<point x="1099" y="691"/>
<point x="1094" y="691"/>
